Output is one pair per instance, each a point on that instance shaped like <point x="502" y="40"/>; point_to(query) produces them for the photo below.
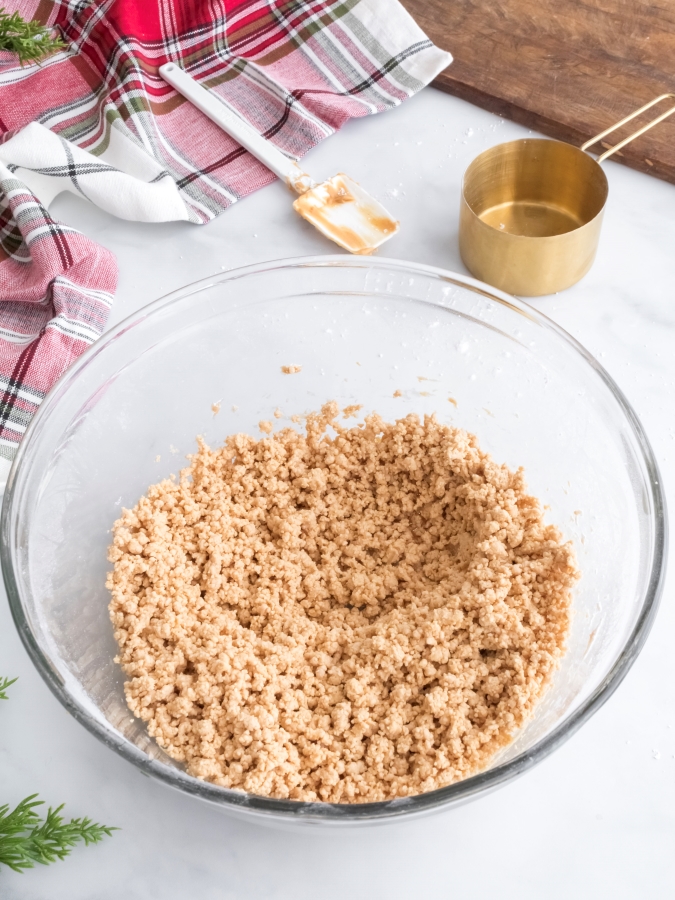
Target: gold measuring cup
<point x="531" y="210"/>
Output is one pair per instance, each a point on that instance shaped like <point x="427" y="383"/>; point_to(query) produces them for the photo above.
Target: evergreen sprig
<point x="31" y="41"/>
<point x="4" y="684"/>
<point x="26" y="839"/>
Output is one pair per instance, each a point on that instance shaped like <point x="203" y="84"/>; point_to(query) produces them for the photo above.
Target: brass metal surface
<point x="531" y="215"/>
<point x="531" y="211"/>
<point x="635" y="134"/>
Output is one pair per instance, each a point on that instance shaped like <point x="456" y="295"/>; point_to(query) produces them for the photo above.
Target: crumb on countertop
<point x="158" y="458"/>
<point x="398" y="393"/>
<point x="351" y="412"/>
<point x="291" y="370"/>
<point x="265" y="426"/>
<point x="278" y="413"/>
<point x="452" y="400"/>
<point x="215" y="407"/>
<point x="342" y="618"/>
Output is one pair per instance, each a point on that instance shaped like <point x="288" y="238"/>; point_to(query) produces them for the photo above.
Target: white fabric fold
<point x="123" y="180"/>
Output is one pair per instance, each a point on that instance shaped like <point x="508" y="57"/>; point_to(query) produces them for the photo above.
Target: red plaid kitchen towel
<point x="56" y="286"/>
<point x="106" y="126"/>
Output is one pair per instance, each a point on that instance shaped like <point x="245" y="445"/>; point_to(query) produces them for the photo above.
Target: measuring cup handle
<point x="635" y="134"/>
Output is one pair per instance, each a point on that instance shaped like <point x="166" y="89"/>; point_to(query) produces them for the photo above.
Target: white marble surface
<point x="597" y="819"/>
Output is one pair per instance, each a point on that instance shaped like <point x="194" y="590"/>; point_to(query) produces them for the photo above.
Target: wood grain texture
<point x="567" y="68"/>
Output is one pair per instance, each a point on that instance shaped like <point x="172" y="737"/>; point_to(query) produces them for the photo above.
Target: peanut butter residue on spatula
<point x="347" y="214"/>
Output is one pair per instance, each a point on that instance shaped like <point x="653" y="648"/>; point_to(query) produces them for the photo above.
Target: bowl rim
<point x="341" y="813"/>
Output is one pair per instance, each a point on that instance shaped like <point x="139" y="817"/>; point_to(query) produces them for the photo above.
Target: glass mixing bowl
<point x="127" y="412"/>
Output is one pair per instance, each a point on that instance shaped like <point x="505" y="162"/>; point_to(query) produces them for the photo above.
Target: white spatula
<point x="339" y="207"/>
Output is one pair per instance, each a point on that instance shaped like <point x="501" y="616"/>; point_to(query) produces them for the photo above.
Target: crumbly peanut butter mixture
<point x="347" y="615"/>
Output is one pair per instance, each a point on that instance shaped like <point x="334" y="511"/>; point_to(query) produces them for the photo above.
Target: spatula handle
<point x="236" y="127"/>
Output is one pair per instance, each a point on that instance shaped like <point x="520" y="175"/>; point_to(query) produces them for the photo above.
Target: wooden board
<point x="567" y="68"/>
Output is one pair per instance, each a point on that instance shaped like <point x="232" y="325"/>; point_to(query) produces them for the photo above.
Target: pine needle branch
<point x="31" y="41"/>
<point x="26" y="839"/>
<point x="4" y="684"/>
